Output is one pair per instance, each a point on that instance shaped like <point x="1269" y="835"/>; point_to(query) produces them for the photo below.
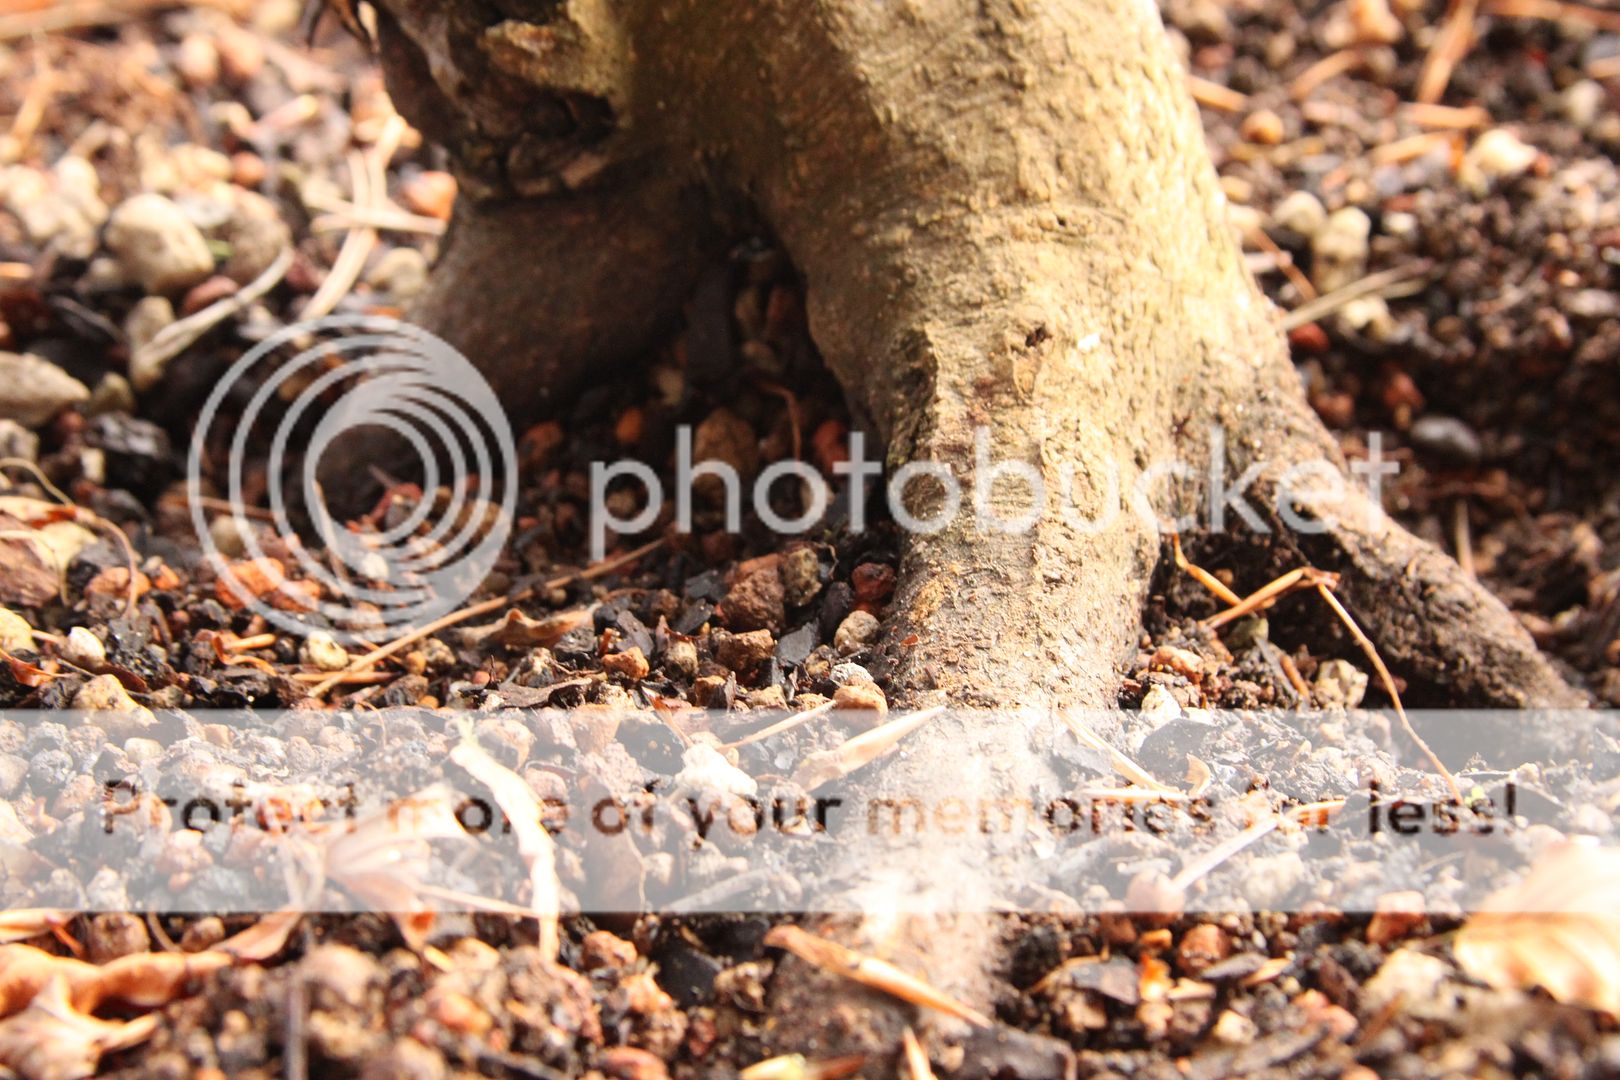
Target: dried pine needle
<point x="870" y="972"/>
<point x="916" y="1058"/>
<point x="823" y="767"/>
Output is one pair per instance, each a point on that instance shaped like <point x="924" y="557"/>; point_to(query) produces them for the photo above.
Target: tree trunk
<point x="1005" y="217"/>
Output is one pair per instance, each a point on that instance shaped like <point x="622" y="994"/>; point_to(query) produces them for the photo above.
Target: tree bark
<point x="1006" y="218"/>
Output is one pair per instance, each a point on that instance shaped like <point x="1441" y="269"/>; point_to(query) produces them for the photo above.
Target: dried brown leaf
<point x="148" y="980"/>
<point x="51" y="1040"/>
<point x="25" y="970"/>
<point x="29" y="575"/>
<point x="26" y="674"/>
<point x="384" y="859"/>
<point x="264" y="938"/>
<point x="518" y="631"/>
<point x="1557" y="928"/>
<point x="24" y="923"/>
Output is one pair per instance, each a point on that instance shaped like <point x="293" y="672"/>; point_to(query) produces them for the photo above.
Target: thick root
<point x="1006" y="220"/>
<point x="1440" y="629"/>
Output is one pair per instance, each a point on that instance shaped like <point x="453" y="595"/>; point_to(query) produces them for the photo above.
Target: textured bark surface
<point x="1005" y="216"/>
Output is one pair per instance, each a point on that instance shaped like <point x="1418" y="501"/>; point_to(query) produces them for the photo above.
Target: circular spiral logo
<point x="412" y="390"/>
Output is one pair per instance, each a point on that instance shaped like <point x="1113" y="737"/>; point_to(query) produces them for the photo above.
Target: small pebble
<point x="742" y="652"/>
<point x="1203" y="945"/>
<point x="15" y="634"/>
<point x="1263" y="127"/>
<point x="321" y="651"/>
<point x="202" y="935"/>
<point x="801" y="576"/>
<point x="256" y="234"/>
<point x="632" y="1063"/>
<point x="1405" y="974"/>
<point x="121" y="717"/>
<point x="406" y="1059"/>
<point x="149" y="317"/>
<point x="60" y="211"/>
<point x="602" y="949"/>
<point x="1339" y="685"/>
<point x="756" y="600"/>
<point x="228" y="534"/>
<point x="846" y="673"/>
<point x="431" y="194"/>
<point x="728" y="439"/>
<point x="112" y="394"/>
<point x="400" y="272"/>
<point x="33" y="390"/>
<point x="631" y="663"/>
<point x="338" y="975"/>
<point x="241" y="53"/>
<point x="83" y="649"/>
<point x="1234" y="1029"/>
<point x="1496" y="155"/>
<point x="858" y="630"/>
<point x="1374" y="23"/>
<point x="703" y="769"/>
<point x="157" y="245"/>
<point x="141" y="750"/>
<point x="116" y="933"/>
<point x="197" y="61"/>
<point x="864" y="697"/>
<point x="1339" y="249"/>
<point x="1582" y="101"/>
<point x="248" y="169"/>
<point x="18" y="442"/>
<point x="1300" y="212"/>
<point x="1447" y="438"/>
<point x="681" y="658"/>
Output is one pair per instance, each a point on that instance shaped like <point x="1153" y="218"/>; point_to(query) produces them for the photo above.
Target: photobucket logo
<point x="351" y="372"/>
<point x="1007" y="496"/>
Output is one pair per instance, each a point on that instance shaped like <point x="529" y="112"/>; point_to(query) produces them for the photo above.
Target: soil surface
<point x="158" y="165"/>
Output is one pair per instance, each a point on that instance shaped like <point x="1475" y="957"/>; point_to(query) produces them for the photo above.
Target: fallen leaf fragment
<point x="24" y="923"/>
<point x="869" y="971"/>
<point x="51" y="1040"/>
<point x="25" y="971"/>
<point x="148" y="980"/>
<point x="1558" y="928"/>
<point x="383" y="859"/>
<point x="264" y="938"/>
<point x="29" y="574"/>
<point x="517" y="631"/>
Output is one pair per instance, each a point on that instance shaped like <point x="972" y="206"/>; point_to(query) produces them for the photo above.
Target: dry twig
<point x="1386" y="283"/>
<point x="1213" y="95"/>
<point x="1450" y="45"/>
<point x="1555" y="11"/>
<point x="1325" y="583"/>
<point x="483" y="607"/>
<point x="916" y="1057"/>
<point x="1329" y="67"/>
<point x="823" y="767"/>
